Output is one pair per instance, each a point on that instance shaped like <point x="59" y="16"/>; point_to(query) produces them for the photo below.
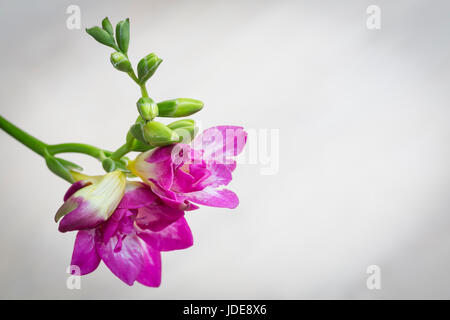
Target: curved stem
<point x="78" y="148"/>
<point x="119" y="153"/>
<point x="26" y="139"/>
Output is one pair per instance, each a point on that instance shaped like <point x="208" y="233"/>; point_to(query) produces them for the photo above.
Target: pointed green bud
<point x="102" y="36"/>
<point x="107" y="26"/>
<point x="157" y="134"/>
<point x="185" y="128"/>
<point x="181" y="107"/>
<point x="137" y="131"/>
<point x="57" y="168"/>
<point x="123" y="34"/>
<point x="148" y="109"/>
<point x="147" y="67"/>
<point x="109" y="165"/>
<point x="121" y="62"/>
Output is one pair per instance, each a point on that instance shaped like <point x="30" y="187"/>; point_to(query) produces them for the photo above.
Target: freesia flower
<point x="130" y="241"/>
<point x="90" y="202"/>
<point x="182" y="175"/>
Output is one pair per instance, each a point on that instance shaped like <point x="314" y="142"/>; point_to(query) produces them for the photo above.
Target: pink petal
<point x="214" y="198"/>
<point x="75" y="187"/>
<point x="220" y="175"/>
<point x="159" y="166"/>
<point x="157" y="216"/>
<point x="133" y="261"/>
<point x="81" y="216"/>
<point x="176" y="236"/>
<point x="111" y="226"/>
<point x="221" y="142"/>
<point x="136" y="195"/>
<point x="84" y="255"/>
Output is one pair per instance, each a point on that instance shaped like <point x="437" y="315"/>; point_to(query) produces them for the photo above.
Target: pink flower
<point x="130" y="241"/>
<point x="182" y="175"/>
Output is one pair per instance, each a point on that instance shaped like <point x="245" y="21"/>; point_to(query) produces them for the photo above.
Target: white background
<point x="363" y="120"/>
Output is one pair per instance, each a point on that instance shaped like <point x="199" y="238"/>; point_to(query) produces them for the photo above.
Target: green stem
<point x="42" y="148"/>
<point x="78" y="148"/>
<point x="119" y="153"/>
<point x="26" y="139"/>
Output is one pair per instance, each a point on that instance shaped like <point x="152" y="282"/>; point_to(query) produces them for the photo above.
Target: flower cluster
<point x="126" y="224"/>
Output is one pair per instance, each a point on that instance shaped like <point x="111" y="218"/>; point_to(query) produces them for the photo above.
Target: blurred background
<point x="363" y="175"/>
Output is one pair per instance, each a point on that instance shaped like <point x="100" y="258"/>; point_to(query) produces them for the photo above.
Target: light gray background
<point x="364" y="143"/>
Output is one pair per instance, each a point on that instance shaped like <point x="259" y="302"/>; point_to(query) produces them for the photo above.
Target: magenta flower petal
<point x="214" y="198"/>
<point x="157" y="216"/>
<point x="131" y="260"/>
<point x="155" y="164"/>
<point x="221" y="142"/>
<point x="136" y="195"/>
<point x="75" y="187"/>
<point x="220" y="175"/>
<point x="84" y="254"/>
<point x="80" y="217"/>
<point x="150" y="274"/>
<point x="176" y="236"/>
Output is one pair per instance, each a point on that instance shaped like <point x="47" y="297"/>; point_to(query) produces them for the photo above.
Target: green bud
<point x="157" y="134"/>
<point x="57" y="168"/>
<point x="123" y="34"/>
<point x="107" y="26"/>
<point x="102" y="36"/>
<point x="121" y="62"/>
<point x="185" y="129"/>
<point x="109" y="165"/>
<point x="148" y="109"/>
<point x="181" y="107"/>
<point x="147" y="67"/>
<point x="137" y="131"/>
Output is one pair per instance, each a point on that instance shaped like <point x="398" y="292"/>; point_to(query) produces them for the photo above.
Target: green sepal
<point x="181" y="107"/>
<point x="147" y="67"/>
<point x="107" y="26"/>
<point x="123" y="34"/>
<point x="69" y="165"/>
<point x="57" y="168"/>
<point x="102" y="36"/>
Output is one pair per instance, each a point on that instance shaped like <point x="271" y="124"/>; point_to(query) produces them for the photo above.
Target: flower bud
<point x="121" y="62"/>
<point x="147" y="67"/>
<point x="148" y="109"/>
<point x="185" y="129"/>
<point x="157" y="134"/>
<point x="123" y="34"/>
<point x="107" y="26"/>
<point x="109" y="165"/>
<point x="181" y="107"/>
<point x="102" y="36"/>
<point x="93" y="204"/>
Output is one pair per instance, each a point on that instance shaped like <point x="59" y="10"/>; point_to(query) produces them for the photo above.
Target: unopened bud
<point x="185" y="129"/>
<point x="121" y="62"/>
<point x="147" y="67"/>
<point x="157" y="134"/>
<point x="181" y="107"/>
<point x="148" y="109"/>
<point x="109" y="165"/>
